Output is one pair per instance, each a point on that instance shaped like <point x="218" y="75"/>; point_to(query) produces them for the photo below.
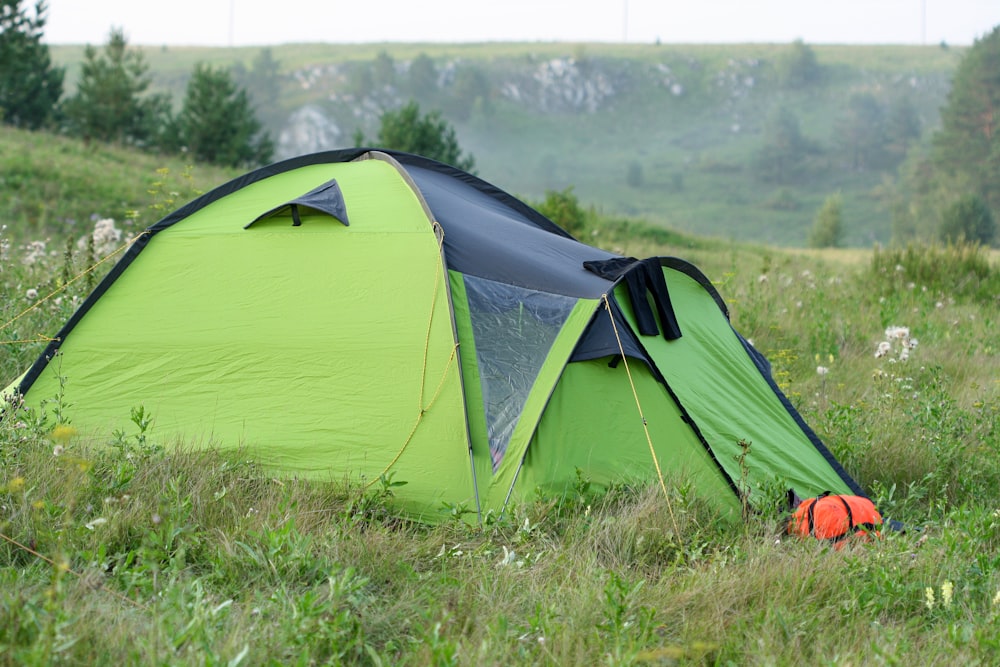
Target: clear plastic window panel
<point x="514" y="329"/>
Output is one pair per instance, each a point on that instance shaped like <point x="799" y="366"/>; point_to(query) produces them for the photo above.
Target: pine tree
<point x="968" y="219"/>
<point x="264" y="85"/>
<point x="30" y="87"/>
<point x="109" y="103"/>
<point x="828" y="228"/>
<point x="967" y="148"/>
<point x="782" y="157"/>
<point x="429" y="135"/>
<point x="217" y="123"/>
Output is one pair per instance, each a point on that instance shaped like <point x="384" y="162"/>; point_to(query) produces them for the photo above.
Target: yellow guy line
<point x="423" y="373"/>
<point x="645" y="427"/>
<point x="61" y="289"/>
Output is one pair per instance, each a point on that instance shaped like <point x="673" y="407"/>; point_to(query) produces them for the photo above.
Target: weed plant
<point x="136" y="551"/>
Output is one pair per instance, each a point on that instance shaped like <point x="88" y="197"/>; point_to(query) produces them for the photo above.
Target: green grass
<point x="142" y="552"/>
<point x="55" y="186"/>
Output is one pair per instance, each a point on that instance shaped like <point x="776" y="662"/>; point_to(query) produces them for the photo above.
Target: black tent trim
<point x="765" y="370"/>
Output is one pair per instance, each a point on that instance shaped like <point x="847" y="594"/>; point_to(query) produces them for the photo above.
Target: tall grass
<point x="142" y="552"/>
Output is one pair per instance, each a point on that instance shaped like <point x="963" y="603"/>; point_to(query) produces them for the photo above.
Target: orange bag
<point x="835" y="518"/>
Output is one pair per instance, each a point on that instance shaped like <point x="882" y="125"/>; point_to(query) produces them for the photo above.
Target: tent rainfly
<point x="358" y="313"/>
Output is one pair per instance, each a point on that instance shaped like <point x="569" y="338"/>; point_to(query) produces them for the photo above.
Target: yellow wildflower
<point x="929" y="597"/>
<point x="63" y="433"/>
<point x="947" y="589"/>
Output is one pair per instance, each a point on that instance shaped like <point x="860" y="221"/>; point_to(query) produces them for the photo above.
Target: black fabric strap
<point x="850" y="516"/>
<point x="656" y="284"/>
<point x="642" y="278"/>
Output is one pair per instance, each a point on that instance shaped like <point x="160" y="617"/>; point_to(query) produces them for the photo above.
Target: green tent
<point x="353" y="314"/>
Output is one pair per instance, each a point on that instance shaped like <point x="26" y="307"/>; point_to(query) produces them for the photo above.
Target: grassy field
<point x="143" y="553"/>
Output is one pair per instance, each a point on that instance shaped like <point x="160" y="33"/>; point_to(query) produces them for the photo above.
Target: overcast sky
<point x="259" y="22"/>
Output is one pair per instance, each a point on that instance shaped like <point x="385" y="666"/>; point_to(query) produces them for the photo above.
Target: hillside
<point x="671" y="134"/>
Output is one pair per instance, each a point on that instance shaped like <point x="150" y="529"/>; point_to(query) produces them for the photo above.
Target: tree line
<point x="945" y="189"/>
<point x="216" y="122"/>
<point x="948" y="189"/>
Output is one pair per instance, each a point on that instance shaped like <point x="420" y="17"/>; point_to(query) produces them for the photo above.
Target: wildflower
<point x="105" y="237"/>
<point x="929" y="597"/>
<point x="883" y="349"/>
<point x="509" y="557"/>
<point x="63" y="433"/>
<point x="822" y="370"/>
<point x="58" y="450"/>
<point x="15" y="485"/>
<point x="31" y="294"/>
<point x="897" y="332"/>
<point x="34" y="252"/>
<point x="996" y="599"/>
<point x="93" y="523"/>
<point x="947" y="589"/>
<point x="762" y="278"/>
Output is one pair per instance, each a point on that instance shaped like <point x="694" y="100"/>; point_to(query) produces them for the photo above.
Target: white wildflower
<point x="34" y="252"/>
<point x="90" y="525"/>
<point x="822" y="370"/>
<point x="31" y="294"/>
<point x="105" y="236"/>
<point x="897" y="332"/>
<point x="509" y="557"/>
<point x="58" y="450"/>
<point x="883" y="349"/>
